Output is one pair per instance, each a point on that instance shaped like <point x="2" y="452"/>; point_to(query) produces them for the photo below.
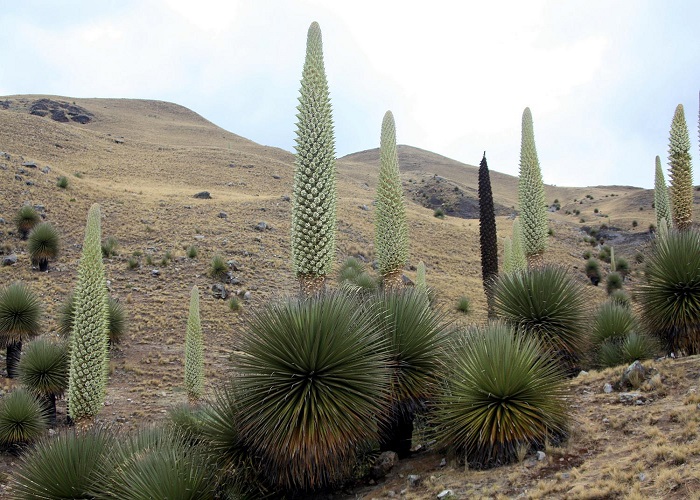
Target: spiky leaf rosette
<point x="416" y="336"/>
<point x="88" y="341"/>
<point x="487" y="231"/>
<point x="546" y="303"/>
<point x="661" y="203"/>
<point x="66" y="466"/>
<point x="194" y="350"/>
<point x="680" y="172"/>
<point x="43" y="244"/>
<point x="531" y="199"/>
<point x="391" y="233"/>
<point x="20" y="314"/>
<point x="22" y="418"/>
<point x="314" y="200"/>
<point x="43" y="368"/>
<point x="669" y="295"/>
<point x="25" y="219"/>
<point x="501" y="392"/>
<point x="313" y="380"/>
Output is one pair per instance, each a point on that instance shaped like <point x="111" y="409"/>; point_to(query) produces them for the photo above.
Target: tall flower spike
<point x="487" y="232"/>
<point x="391" y="231"/>
<point x="314" y="200"/>
<point x="531" y="199"/>
<point x="518" y="257"/>
<point x="661" y="203"/>
<point x="680" y="172"/>
<point x="194" y="351"/>
<point x="87" y="376"/>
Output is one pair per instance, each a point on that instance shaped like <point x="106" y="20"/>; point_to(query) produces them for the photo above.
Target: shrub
<point x="546" y="303"/>
<point x="669" y="295"/>
<point x="70" y="465"/>
<point x="464" y="305"/>
<point x="612" y="321"/>
<point x="149" y="259"/>
<point x="500" y="393"/>
<point x="43" y="370"/>
<point x="622" y="266"/>
<point x="620" y="297"/>
<point x="132" y="263"/>
<point x="353" y="276"/>
<point x="20" y="316"/>
<point x="439" y="213"/>
<point x="604" y="254"/>
<point x="234" y="304"/>
<point x="43" y="244"/>
<point x="62" y="182"/>
<point x="26" y="219"/>
<point x="109" y="247"/>
<point x="639" y="257"/>
<point x="586" y="254"/>
<point x="638" y="346"/>
<point x="312" y="377"/>
<point x="613" y="281"/>
<point x="192" y="252"/>
<point x="22" y="418"/>
<point x="218" y="267"/>
<point x="635" y="223"/>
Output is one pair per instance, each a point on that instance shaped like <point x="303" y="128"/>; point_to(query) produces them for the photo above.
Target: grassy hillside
<point x="144" y="161"/>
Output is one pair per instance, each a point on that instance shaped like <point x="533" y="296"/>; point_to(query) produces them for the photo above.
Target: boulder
<point x="9" y="260"/>
<point x="634" y="375"/>
<point x="204" y="195"/>
<point x="261" y="226"/>
<point x="222" y="215"/>
<point x="219" y="291"/>
<point x="384" y="463"/>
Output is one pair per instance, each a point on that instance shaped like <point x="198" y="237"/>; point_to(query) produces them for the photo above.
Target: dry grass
<point x="145" y="185"/>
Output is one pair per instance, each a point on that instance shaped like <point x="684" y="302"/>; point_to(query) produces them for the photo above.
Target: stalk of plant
<point x="531" y="199"/>
<point x="43" y="370"/>
<point x="548" y="304"/>
<point x="194" y="351"/>
<point x="487" y="233"/>
<point x="421" y="284"/>
<point x="680" y="172"/>
<point x="501" y="392"/>
<point x="415" y="336"/>
<point x="312" y="378"/>
<point x="87" y="377"/>
<point x="661" y="203"/>
<point x="43" y="244"/>
<point x="25" y="220"/>
<point x="518" y="259"/>
<point x="314" y="191"/>
<point x="669" y="295"/>
<point x="20" y="319"/>
<point x="391" y="226"/>
<point x="507" y="256"/>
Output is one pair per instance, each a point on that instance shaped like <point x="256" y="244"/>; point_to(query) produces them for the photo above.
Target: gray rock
<point x="443" y="462"/>
<point x="29" y="183"/>
<point x="39" y="208"/>
<point x="631" y="398"/>
<point x="198" y="237"/>
<point x="29" y="164"/>
<point x="18" y="178"/>
<point x="9" y="260"/>
<point x="541" y="455"/>
<point x="2" y="221"/>
<point x="285" y="198"/>
<point x="384" y="463"/>
<point x="222" y="215"/>
<point x="46" y="169"/>
<point x="155" y="272"/>
<point x="219" y="291"/>
<point x="363" y="207"/>
<point x="234" y="265"/>
<point x="414" y="480"/>
<point x="445" y="494"/>
<point x="247" y="295"/>
<point x="633" y="375"/>
<point x="607" y="388"/>
<point x="582" y="373"/>
<point x="407" y="281"/>
<point x="204" y="195"/>
<point x="261" y="226"/>
<point x="276" y="177"/>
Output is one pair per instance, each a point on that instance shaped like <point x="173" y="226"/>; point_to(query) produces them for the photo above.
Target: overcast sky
<point x="602" y="78"/>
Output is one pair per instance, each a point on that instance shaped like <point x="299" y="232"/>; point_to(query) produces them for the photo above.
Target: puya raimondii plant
<point x="314" y="191"/>
<point x="487" y="232"/>
<point x="87" y="375"/>
<point x="194" y="351"/>
<point x="391" y="236"/>
<point x="661" y="203"/>
<point x="680" y="172"/>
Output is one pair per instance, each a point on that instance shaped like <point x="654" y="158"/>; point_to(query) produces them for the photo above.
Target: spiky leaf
<point x="20" y="314"/>
<point x="22" y="418"/>
<point x="43" y="368"/>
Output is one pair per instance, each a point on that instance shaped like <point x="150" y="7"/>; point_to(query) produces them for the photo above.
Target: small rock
<point x="198" y="237"/>
<point x="582" y="373"/>
<point x="52" y="432"/>
<point x="30" y="164"/>
<point x="204" y="195"/>
<point x="631" y="398"/>
<point x="219" y="291"/>
<point x="39" y="208"/>
<point x="276" y="177"/>
<point x="363" y="207"/>
<point x="407" y="281"/>
<point x="285" y="198"/>
<point x="445" y="494"/>
<point x="541" y="455"/>
<point x="155" y="272"/>
<point x="18" y="178"/>
<point x="46" y="169"/>
<point x="384" y="463"/>
<point x="9" y="260"/>
<point x="261" y="226"/>
<point x="642" y="477"/>
<point x="607" y="388"/>
<point x="443" y="462"/>
<point x="234" y="265"/>
<point x="246" y="295"/>
<point x="413" y="480"/>
<point x="222" y="215"/>
<point x="2" y="221"/>
<point x="634" y="375"/>
<point x="566" y="475"/>
<point x="29" y="183"/>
